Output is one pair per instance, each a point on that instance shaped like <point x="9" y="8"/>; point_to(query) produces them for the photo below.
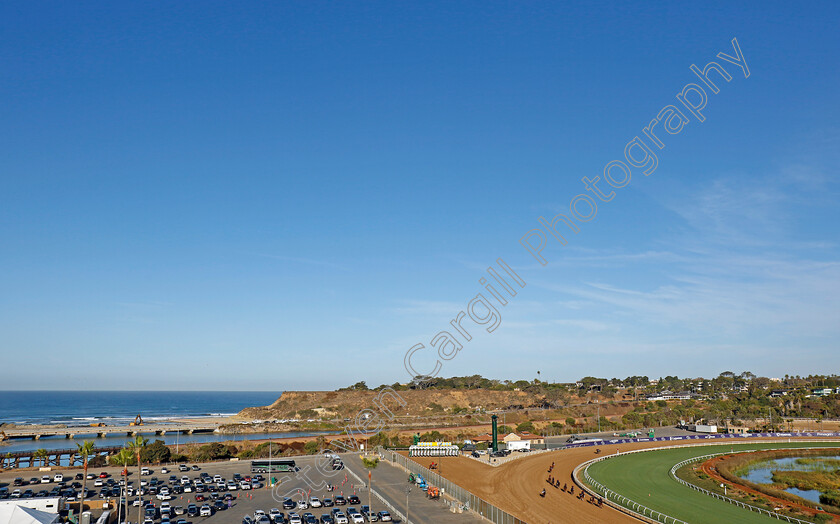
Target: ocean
<point x="82" y="408"/>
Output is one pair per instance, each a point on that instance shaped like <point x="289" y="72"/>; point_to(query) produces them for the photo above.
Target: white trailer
<point x="516" y="445"/>
<point x="704" y="428"/>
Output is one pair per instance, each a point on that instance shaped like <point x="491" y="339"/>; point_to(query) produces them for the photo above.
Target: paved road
<point x="391" y="482"/>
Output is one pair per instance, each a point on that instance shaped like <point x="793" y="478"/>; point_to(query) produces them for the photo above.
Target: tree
<point x="41" y="455"/>
<point x="525" y="426"/>
<point x="136" y="446"/>
<point x="123" y="458"/>
<point x="156" y="452"/>
<point x="85" y="450"/>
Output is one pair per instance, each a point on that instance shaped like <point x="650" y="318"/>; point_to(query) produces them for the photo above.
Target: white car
<point x="314" y="502"/>
<point x="165" y="507"/>
<point x="58" y="477"/>
<point x="302" y="504"/>
<point x="145" y="471"/>
<point x="294" y="518"/>
<point x="185" y="480"/>
<point x="45" y="479"/>
<point x="205" y="511"/>
<point x="231" y="486"/>
<point x="98" y="483"/>
<point x="259" y="513"/>
<point x="218" y="478"/>
<point x="357" y="518"/>
<point x="244" y="485"/>
<point x="273" y="512"/>
<point x="340" y="518"/>
<point x="164" y="470"/>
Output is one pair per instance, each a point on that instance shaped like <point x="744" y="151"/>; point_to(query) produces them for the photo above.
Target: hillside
<point x="419" y="402"/>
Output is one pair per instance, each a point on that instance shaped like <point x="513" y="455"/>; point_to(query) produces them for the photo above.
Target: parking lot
<point x="307" y="482"/>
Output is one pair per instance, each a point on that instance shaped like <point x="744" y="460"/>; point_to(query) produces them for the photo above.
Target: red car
<point x="199" y="498"/>
<point x="103" y="475"/>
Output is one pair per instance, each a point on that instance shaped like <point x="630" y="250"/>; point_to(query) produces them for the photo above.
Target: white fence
<point x="651" y="515"/>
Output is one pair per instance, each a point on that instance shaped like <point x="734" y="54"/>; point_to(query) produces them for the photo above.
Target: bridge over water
<point x="37" y="432"/>
<point x="31" y="459"/>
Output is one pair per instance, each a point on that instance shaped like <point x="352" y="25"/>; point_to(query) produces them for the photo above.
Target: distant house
<point x="822" y="392"/>
<point x="487" y="437"/>
<point x="669" y="395"/>
<point x="776" y="393"/>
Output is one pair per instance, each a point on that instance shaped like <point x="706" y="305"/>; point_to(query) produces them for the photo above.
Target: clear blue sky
<point x="204" y="195"/>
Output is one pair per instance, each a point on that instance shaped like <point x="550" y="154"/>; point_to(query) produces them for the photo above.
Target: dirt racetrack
<point x="516" y="485"/>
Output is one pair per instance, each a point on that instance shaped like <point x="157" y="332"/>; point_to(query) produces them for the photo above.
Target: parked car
<point x="205" y="510"/>
<point x="371" y="517"/>
<point x="384" y="516"/>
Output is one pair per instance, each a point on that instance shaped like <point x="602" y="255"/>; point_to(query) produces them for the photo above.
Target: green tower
<point x="495" y="433"/>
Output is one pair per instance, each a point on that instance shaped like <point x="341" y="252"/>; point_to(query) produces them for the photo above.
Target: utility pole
<point x="599" y="415"/>
<point x="407" y="491"/>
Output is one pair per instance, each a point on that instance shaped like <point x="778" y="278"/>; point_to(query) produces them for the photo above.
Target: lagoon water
<point x="762" y="473"/>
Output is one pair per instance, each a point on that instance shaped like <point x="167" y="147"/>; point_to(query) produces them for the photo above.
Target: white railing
<point x="724" y="498"/>
<point x="646" y="513"/>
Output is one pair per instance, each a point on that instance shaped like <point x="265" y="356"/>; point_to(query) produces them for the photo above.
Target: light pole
<point x="407" y="491"/>
<point x="599" y="415"/>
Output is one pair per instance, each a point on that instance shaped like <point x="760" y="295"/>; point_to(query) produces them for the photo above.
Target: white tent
<point x="14" y="514"/>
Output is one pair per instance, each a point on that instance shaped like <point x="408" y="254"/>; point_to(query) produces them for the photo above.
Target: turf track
<point x="644" y="478"/>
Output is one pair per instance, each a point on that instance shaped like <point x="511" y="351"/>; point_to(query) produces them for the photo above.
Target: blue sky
<point x="291" y="196"/>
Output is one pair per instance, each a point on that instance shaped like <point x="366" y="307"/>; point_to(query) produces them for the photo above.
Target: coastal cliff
<point x="418" y="402"/>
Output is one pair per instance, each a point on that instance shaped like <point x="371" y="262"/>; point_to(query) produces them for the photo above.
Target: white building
<point x="30" y="511"/>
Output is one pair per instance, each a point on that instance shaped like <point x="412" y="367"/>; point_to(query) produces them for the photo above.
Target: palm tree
<point x="123" y="458"/>
<point x="135" y="447"/>
<point x="85" y="450"/>
<point x="41" y="455"/>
